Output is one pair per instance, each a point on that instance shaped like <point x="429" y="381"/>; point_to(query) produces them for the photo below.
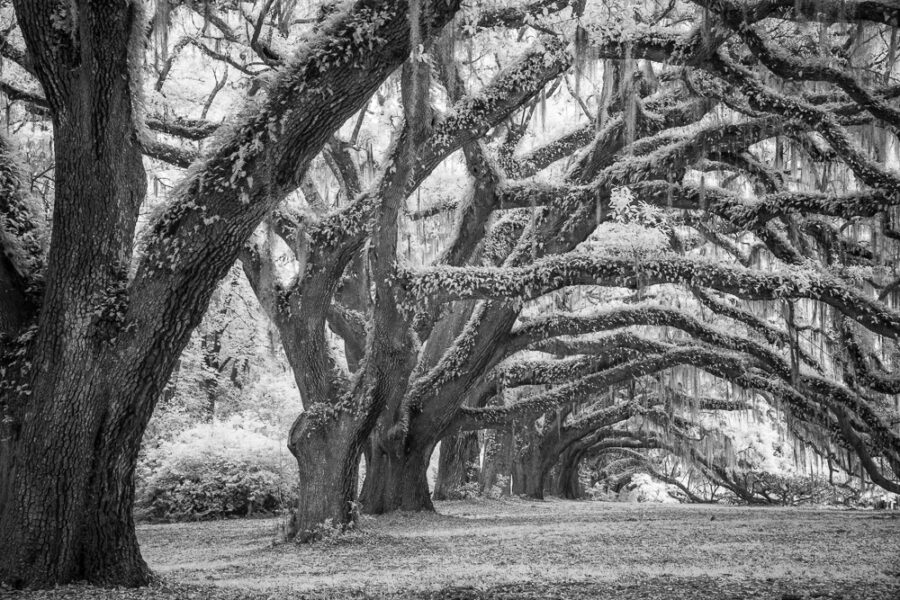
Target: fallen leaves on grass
<point x="505" y="550"/>
<point x="664" y="588"/>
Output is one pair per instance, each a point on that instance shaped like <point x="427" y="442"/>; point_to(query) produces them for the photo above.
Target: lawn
<point x="519" y="549"/>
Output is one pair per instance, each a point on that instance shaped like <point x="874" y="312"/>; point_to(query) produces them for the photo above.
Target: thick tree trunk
<point x="568" y="485"/>
<point x="74" y="439"/>
<point x="73" y="436"/>
<point x="397" y="482"/>
<point x="66" y="510"/>
<point x="456" y="465"/>
<point x="529" y="468"/>
<point x="498" y="452"/>
<point x="551" y="477"/>
<point x="327" y="450"/>
<point x="534" y="458"/>
<point x="528" y="479"/>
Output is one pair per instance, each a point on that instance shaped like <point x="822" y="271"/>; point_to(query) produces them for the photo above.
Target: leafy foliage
<point x="214" y="470"/>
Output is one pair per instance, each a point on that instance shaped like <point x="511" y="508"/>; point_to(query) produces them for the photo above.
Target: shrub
<point x="465" y="491"/>
<point x="216" y="470"/>
<point x="644" y="488"/>
<point x="500" y="487"/>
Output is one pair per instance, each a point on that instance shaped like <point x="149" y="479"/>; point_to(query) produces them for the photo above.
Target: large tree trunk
<point x="528" y="478"/>
<point x="568" y="484"/>
<point x="458" y="459"/>
<point x="66" y="514"/>
<point x="533" y="460"/>
<point x="498" y="452"/>
<point x="327" y="452"/>
<point x="528" y="467"/>
<point x="73" y="439"/>
<point x="397" y="481"/>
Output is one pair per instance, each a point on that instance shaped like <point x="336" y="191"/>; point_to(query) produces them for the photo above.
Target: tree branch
<point x="444" y="284"/>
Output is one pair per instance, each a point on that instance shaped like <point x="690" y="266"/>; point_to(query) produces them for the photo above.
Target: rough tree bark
<point x="328" y="460"/>
<point x="72" y="450"/>
<point x="397" y="482"/>
<point x="532" y="462"/>
<point x="568" y="484"/>
<point x="497" y="461"/>
<point x="528" y="476"/>
<point x="458" y="458"/>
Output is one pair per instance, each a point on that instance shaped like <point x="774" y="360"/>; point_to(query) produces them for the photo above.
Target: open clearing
<point x="519" y="549"/>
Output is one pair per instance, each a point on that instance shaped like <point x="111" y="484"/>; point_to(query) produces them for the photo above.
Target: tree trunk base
<point x="73" y="527"/>
<point x="327" y="454"/>
<point x="456" y="466"/>
<point x="528" y="479"/>
<point x="397" y="483"/>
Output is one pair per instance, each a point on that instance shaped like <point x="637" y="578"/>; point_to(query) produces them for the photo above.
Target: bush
<point x="643" y="488"/>
<point x="216" y="470"/>
<point x="500" y="487"/>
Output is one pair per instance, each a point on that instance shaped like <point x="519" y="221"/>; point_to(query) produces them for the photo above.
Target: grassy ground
<point x="518" y="549"/>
